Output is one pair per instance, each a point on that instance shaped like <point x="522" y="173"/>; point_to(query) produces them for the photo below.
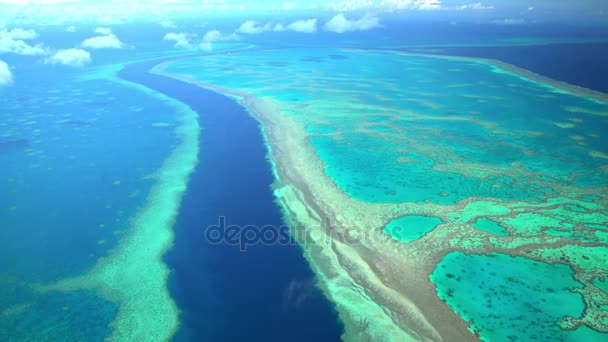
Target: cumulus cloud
<point x="14" y="41"/>
<point x="251" y="27"/>
<point x="70" y="28"/>
<point x="352" y="5"/>
<point x="215" y="36"/>
<point x="70" y="57"/>
<point x="181" y="39"/>
<point x="21" y="34"/>
<point x="167" y="24"/>
<point x="107" y="41"/>
<point x="386" y="5"/>
<point x="6" y="76"/>
<point x="340" y="24"/>
<point x="427" y="4"/>
<point x="475" y="6"/>
<point x="20" y="47"/>
<point x="303" y="26"/>
<point x="103" y="30"/>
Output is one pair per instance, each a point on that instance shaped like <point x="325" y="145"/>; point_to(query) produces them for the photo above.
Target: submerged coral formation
<point x="133" y="275"/>
<point x="436" y="197"/>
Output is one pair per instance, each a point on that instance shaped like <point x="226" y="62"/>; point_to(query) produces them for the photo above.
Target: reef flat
<point x="507" y="168"/>
<point x="133" y="275"/>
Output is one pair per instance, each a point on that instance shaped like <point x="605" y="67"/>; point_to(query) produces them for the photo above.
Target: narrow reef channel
<point x="265" y="292"/>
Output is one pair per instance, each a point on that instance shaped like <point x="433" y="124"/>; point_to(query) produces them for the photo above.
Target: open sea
<point x="82" y="149"/>
<point x="226" y="292"/>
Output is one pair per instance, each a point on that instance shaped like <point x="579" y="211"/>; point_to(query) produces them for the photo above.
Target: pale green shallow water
<point x="507" y="297"/>
<point x="410" y="228"/>
<point x="489" y="226"/>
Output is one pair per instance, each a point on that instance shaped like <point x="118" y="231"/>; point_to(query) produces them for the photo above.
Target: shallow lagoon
<point x="409" y="228"/>
<point x="439" y="120"/>
<point x="509" y="298"/>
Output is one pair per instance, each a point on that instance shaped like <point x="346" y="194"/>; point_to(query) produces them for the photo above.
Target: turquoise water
<point x="366" y="171"/>
<point x="90" y="148"/>
<point x="410" y="228"/>
<point x="438" y="119"/>
<point x="489" y="226"/>
<point x="80" y="150"/>
<point x="585" y="334"/>
<point x="484" y="150"/>
<point x="63" y="128"/>
<point x="509" y="298"/>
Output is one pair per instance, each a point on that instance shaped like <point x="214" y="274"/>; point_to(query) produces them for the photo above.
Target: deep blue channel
<point x="579" y="64"/>
<point x="265" y="293"/>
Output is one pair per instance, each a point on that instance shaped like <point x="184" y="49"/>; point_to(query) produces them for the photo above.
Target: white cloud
<point x="21" y="34"/>
<point x="216" y="36"/>
<point x="109" y="41"/>
<point x="14" y="41"/>
<point x="69" y="57"/>
<point x="385" y="5"/>
<point x="303" y="26"/>
<point x="340" y="24"/>
<point x="20" y="47"/>
<point x="6" y="76"/>
<point x="181" y="39"/>
<point x="475" y="6"/>
<point x="251" y="27"/>
<point x="167" y="24"/>
<point x="427" y="4"/>
<point x="103" y="30"/>
<point x="71" y="28"/>
<point x="352" y="5"/>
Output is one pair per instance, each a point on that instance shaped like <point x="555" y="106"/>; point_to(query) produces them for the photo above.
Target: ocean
<point x="225" y="292"/>
<point x="92" y="155"/>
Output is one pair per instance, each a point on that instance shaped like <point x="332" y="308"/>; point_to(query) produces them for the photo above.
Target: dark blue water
<point x="579" y="64"/>
<point x="264" y="293"/>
